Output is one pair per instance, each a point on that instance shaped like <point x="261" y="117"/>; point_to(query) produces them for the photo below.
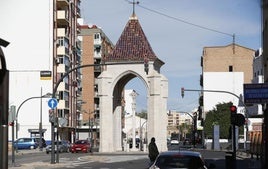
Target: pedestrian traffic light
<point x="233" y="110"/>
<point x="182" y="92"/>
<point x="146" y="66"/>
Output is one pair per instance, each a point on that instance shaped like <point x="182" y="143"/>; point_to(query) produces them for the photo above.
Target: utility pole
<point x="55" y="88"/>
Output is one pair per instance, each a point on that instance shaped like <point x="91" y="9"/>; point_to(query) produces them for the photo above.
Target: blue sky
<point x="179" y="44"/>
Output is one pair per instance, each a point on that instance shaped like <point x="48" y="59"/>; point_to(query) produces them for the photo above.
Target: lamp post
<point x="55" y="88"/>
<point x="16" y="119"/>
<point x="134" y="94"/>
<point x="141" y="141"/>
<point x="30" y="98"/>
<point x="4" y="95"/>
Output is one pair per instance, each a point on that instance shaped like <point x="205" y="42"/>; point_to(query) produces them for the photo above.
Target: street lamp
<point x="90" y="126"/>
<point x="141" y="141"/>
<point x="134" y="94"/>
<point x="30" y="98"/>
<point x="16" y="119"/>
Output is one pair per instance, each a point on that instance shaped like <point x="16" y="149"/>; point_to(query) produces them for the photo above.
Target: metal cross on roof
<point x="134" y="3"/>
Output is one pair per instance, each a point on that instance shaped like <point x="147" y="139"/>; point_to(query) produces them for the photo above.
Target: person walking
<point x="153" y="151"/>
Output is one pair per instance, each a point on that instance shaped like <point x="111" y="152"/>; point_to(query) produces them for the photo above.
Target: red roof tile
<point x="132" y="44"/>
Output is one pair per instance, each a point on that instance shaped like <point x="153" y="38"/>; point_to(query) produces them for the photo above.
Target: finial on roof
<point x="134" y="3"/>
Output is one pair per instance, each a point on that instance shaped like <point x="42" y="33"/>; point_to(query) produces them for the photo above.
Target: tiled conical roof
<point x="132" y="44"/>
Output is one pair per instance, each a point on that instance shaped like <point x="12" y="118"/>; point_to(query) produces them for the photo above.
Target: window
<point x="97" y="36"/>
<point x="230" y="68"/>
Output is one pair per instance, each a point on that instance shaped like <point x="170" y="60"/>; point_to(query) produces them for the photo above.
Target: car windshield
<point x="179" y="161"/>
<point x="81" y="142"/>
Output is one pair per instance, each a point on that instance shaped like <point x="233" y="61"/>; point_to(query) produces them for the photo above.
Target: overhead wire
<point x="184" y="21"/>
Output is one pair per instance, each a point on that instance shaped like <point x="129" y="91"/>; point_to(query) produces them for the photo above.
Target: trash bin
<point x="229" y="160"/>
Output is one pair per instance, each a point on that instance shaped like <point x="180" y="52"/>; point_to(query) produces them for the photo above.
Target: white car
<point x="174" y="142"/>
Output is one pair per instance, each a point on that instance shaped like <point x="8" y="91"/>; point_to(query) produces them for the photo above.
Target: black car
<point x="180" y="159"/>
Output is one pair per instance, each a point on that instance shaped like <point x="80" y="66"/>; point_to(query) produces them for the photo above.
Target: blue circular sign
<point x="52" y="103"/>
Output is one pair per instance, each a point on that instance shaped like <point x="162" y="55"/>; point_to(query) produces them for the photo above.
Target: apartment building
<point x="225" y="68"/>
<point x="67" y="56"/>
<point x="179" y="124"/>
<point x="43" y="38"/>
<point x="95" y="47"/>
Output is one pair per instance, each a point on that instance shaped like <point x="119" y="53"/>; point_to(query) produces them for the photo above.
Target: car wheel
<point x="31" y="147"/>
<point x="47" y="152"/>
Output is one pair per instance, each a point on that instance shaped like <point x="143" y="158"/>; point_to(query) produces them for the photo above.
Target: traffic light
<point x="146" y="66"/>
<point x="233" y="110"/>
<point x="182" y="92"/>
<point x="236" y="119"/>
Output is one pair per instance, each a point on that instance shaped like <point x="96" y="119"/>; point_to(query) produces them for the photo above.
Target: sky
<point x="177" y="31"/>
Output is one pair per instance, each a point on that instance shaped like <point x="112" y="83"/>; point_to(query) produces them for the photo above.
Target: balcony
<point x="61" y="32"/>
<point x="62" y="50"/>
<point x="62" y="18"/>
<point x="62" y="68"/>
<point x="78" y="12"/>
<point x="62" y="3"/>
<point x="63" y="104"/>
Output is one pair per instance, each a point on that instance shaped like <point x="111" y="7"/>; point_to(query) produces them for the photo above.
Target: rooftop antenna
<point x="233" y="43"/>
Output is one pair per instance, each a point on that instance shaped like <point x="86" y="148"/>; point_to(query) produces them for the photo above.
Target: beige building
<point x="66" y="56"/>
<point x="230" y="58"/>
<point x="225" y="68"/>
<point x="95" y="46"/>
<point x="179" y="123"/>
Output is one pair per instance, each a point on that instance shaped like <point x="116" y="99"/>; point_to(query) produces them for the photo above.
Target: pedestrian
<point x="153" y="151"/>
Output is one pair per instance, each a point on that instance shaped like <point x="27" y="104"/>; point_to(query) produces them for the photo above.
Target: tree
<point x="219" y="115"/>
<point x="142" y="114"/>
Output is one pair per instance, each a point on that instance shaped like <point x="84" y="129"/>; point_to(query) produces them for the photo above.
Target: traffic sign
<point x="256" y="93"/>
<point x="52" y="103"/>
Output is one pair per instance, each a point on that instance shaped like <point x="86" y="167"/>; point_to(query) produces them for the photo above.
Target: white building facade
<point x="222" y="81"/>
<point x="42" y="38"/>
<point x="28" y="29"/>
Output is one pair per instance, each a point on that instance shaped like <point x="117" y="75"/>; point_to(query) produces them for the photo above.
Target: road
<point x="35" y="159"/>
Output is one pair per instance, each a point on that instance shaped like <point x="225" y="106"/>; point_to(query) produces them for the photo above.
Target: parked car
<point x="25" y="143"/>
<point x="180" y="159"/>
<point x="174" y="142"/>
<point x="64" y="146"/>
<point x="43" y="145"/>
<point x="81" y="145"/>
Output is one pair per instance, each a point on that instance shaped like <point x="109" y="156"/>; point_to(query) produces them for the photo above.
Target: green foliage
<point x="219" y="115"/>
<point x="142" y="114"/>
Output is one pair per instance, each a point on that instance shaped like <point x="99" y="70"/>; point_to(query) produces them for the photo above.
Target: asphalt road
<point x="34" y="159"/>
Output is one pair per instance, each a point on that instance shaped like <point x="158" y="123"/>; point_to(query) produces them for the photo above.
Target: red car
<point x="81" y="145"/>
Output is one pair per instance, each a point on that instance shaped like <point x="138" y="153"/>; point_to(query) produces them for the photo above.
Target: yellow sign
<point x="45" y="75"/>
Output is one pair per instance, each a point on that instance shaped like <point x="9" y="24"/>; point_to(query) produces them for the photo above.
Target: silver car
<point x="180" y="159"/>
<point x="64" y="146"/>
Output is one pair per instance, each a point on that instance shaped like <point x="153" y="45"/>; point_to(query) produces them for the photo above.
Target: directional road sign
<point x="256" y="93"/>
<point x="52" y="103"/>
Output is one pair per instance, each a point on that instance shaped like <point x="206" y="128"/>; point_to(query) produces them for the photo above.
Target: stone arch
<point x="111" y="84"/>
